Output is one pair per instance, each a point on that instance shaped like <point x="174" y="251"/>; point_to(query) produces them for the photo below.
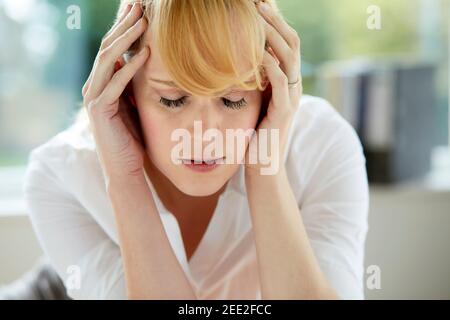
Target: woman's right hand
<point x="120" y="152"/>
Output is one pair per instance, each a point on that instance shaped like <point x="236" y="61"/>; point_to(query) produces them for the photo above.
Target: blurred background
<point x="383" y="64"/>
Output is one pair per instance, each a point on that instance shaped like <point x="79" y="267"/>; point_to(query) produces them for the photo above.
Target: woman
<point x="120" y="214"/>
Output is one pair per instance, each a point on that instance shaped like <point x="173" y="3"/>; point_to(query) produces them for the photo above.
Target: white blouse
<point x="73" y="218"/>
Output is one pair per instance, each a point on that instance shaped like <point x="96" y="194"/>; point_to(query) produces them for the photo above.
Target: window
<point x="43" y="64"/>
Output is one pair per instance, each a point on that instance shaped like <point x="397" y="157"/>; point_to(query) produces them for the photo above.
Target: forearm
<point x="287" y="266"/>
<point x="152" y="270"/>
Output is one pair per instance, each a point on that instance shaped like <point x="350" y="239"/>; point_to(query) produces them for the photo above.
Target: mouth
<point x="203" y="166"/>
<point x="204" y="162"/>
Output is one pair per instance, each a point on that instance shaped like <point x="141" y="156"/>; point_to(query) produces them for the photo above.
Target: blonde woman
<point x="119" y="218"/>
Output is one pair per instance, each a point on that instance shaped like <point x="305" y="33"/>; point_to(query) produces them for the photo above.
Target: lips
<point x="203" y="162"/>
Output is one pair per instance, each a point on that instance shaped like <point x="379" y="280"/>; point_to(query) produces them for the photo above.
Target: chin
<point x="200" y="187"/>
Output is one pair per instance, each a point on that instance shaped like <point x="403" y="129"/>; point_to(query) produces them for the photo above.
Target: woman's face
<point x="153" y="90"/>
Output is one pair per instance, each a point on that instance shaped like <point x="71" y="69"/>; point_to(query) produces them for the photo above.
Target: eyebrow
<point x="166" y="82"/>
<point x="173" y="84"/>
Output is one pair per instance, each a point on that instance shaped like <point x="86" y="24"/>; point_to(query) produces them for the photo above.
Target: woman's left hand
<point x="282" y="68"/>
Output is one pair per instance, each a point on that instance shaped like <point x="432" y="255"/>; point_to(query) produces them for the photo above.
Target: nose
<point x="205" y="117"/>
<point x="209" y="116"/>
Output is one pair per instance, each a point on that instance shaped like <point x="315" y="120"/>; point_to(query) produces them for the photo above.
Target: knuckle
<point x="282" y="79"/>
<point x="86" y="86"/>
<point x="296" y="40"/>
<point x="273" y="15"/>
<point x="103" y="54"/>
<point x="270" y="30"/>
<point x="84" y="90"/>
<point x="105" y="41"/>
<point x="99" y="110"/>
<point x="91" y="106"/>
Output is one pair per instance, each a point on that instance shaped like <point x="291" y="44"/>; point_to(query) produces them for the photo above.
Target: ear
<point x="128" y="94"/>
<point x="117" y="66"/>
<point x="132" y="99"/>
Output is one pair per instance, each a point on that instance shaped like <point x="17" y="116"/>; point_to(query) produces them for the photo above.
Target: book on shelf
<point x="391" y="105"/>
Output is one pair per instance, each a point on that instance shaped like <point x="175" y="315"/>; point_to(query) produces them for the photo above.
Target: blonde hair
<point x="202" y="42"/>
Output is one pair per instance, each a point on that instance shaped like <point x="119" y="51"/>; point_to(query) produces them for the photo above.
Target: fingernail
<point x="264" y="6"/>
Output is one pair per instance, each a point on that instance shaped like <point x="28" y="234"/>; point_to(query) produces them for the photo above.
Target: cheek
<point x="256" y="107"/>
<point x="249" y="118"/>
<point x="152" y="129"/>
<point x="157" y="129"/>
<point x="149" y="125"/>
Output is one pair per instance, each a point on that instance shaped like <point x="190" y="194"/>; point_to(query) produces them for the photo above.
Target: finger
<point x="86" y="85"/>
<point x="121" y="78"/>
<point x="122" y="16"/>
<point x="279" y="82"/>
<point x="121" y="27"/>
<point x="277" y="21"/>
<point x="104" y="68"/>
<point x="125" y="12"/>
<point x="288" y="57"/>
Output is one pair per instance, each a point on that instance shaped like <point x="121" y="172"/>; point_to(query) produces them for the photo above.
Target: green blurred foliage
<point x="335" y="30"/>
<point x="329" y="29"/>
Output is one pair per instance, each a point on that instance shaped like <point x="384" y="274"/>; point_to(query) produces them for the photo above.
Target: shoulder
<point x="317" y="118"/>
<point x="63" y="156"/>
<point x="320" y="142"/>
<point x="77" y="138"/>
<point x="64" y="179"/>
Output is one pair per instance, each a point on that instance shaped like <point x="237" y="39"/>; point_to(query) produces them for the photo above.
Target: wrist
<point x="254" y="174"/>
<point x="121" y="183"/>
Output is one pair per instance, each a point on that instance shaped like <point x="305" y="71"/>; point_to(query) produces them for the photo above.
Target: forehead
<point x="154" y="65"/>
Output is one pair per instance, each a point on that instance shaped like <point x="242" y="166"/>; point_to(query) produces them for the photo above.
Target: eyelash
<point x="179" y="102"/>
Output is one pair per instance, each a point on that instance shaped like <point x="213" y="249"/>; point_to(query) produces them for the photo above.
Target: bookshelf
<point x="392" y="106"/>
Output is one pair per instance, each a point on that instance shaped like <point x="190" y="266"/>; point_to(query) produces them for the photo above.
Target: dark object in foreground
<point x="40" y="283"/>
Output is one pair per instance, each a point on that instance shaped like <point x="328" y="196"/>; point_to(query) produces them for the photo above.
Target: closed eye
<point x="173" y="103"/>
<point x="234" y="104"/>
<point x="181" y="101"/>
